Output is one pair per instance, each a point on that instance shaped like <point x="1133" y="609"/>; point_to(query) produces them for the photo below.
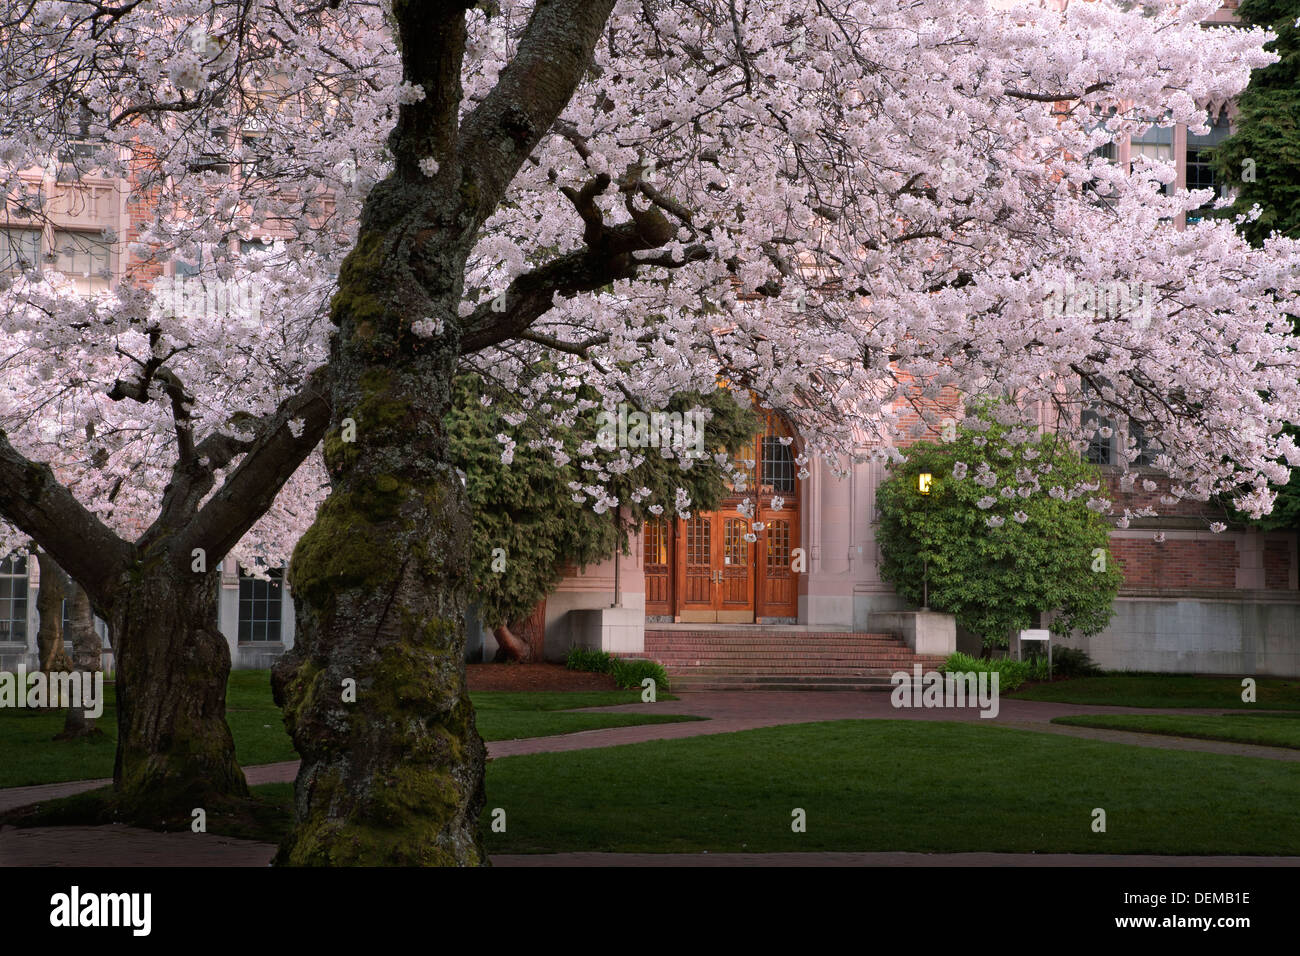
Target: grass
<point x="1166" y="690"/>
<point x="32" y="756"/>
<point x="266" y="815"/>
<point x="254" y="720"/>
<point x="510" y="715"/>
<point x="893" y="785"/>
<point x="864" y="785"/>
<point x="1264" y="729"/>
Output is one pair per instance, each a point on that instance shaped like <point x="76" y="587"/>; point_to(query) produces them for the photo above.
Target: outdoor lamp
<point x="923" y="482"/>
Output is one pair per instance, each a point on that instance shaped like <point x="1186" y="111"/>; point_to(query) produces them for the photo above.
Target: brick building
<point x="1194" y="601"/>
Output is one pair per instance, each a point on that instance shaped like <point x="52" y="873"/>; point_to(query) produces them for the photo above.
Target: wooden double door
<point x="721" y="566"/>
<point x="726" y="565"/>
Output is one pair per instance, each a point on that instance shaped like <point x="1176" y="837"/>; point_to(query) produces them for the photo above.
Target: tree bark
<point x="374" y="691"/>
<point x="523" y="640"/>
<point x="49" y="605"/>
<point x="175" y="751"/>
<point x="87" y="658"/>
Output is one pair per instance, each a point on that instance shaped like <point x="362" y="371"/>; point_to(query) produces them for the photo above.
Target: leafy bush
<point x="1004" y="535"/>
<point x="1011" y="673"/>
<point x="582" y="659"/>
<point x="1066" y="662"/>
<point x="628" y="674"/>
<point x="1073" y="662"/>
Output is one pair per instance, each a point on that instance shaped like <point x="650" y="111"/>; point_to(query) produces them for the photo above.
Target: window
<point x="255" y="155"/>
<point x="1157" y="145"/>
<point x="254" y="245"/>
<point x="778" y="466"/>
<point x="260" y="605"/>
<point x="83" y="254"/>
<point x="778" y="546"/>
<point x="13" y="599"/>
<point x="20" y="249"/>
<point x="1146" y="451"/>
<point x="214" y="160"/>
<point x="1098" y="451"/>
<point x="1200" y="161"/>
<point x="656" y="543"/>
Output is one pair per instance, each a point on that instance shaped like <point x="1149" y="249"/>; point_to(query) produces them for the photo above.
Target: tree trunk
<point x="374" y="690"/>
<point x="174" y="749"/>
<point x="87" y="657"/>
<point x="49" y="605"/>
<point x="523" y="640"/>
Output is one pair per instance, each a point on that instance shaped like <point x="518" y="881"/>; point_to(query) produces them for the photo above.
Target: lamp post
<point x="923" y="481"/>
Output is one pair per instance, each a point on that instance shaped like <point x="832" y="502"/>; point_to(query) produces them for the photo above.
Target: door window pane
<point x="260" y="604"/>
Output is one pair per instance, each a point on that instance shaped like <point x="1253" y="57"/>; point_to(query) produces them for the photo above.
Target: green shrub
<point x="1073" y="662"/>
<point x="628" y="674"/>
<point x="1011" y="673"/>
<point x="582" y="659"/>
<point x="1044" y="553"/>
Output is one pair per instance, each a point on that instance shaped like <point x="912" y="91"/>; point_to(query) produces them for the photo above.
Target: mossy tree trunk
<point x="175" y="751"/>
<point x="374" y="690"/>
<point x="49" y="606"/>
<point x="87" y="658"/>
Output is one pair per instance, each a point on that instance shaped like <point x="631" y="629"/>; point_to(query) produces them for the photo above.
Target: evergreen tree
<point x="1261" y="159"/>
<point x="532" y="518"/>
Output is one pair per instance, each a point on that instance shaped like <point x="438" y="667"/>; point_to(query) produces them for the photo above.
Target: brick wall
<point x="1277" y="564"/>
<point x="1178" y="564"/>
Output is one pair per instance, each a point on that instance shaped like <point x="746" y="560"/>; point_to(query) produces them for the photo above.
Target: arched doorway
<point x="721" y="566"/>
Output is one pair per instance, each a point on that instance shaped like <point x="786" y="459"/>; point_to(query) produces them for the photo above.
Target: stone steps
<point x="776" y="659"/>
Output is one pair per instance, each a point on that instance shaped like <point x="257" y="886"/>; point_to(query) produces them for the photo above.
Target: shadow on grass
<point x="265" y="816"/>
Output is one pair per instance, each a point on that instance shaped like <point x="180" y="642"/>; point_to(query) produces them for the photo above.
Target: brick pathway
<point x="881" y="859"/>
<point x="727" y="711"/>
<point x="746" y="710"/>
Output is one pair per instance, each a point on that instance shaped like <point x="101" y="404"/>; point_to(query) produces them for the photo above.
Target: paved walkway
<point x="881" y="859"/>
<point x="728" y="711"/>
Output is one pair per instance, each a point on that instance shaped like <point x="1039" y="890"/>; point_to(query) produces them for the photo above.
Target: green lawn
<point x="507" y="715"/>
<point x="32" y="756"/>
<point x="1265" y="729"/>
<point x="1166" y="690"/>
<point x="893" y="785"/>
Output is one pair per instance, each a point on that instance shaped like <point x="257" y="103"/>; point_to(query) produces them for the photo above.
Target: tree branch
<point x="33" y="500"/>
<point x="271" y="460"/>
<point x="530" y="94"/>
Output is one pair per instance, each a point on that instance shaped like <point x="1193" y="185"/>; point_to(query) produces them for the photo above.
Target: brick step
<point x="885" y="673"/>
<point x="774" y="645"/>
<point x="742" y="658"/>
<point x="763" y="659"/>
<point x="775" y="657"/>
<point x="767" y="666"/>
<point x="776" y="684"/>
<point x="679" y="637"/>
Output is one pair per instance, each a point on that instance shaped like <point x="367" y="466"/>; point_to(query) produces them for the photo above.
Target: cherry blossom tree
<point x="845" y="207"/>
<point x="148" y="431"/>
